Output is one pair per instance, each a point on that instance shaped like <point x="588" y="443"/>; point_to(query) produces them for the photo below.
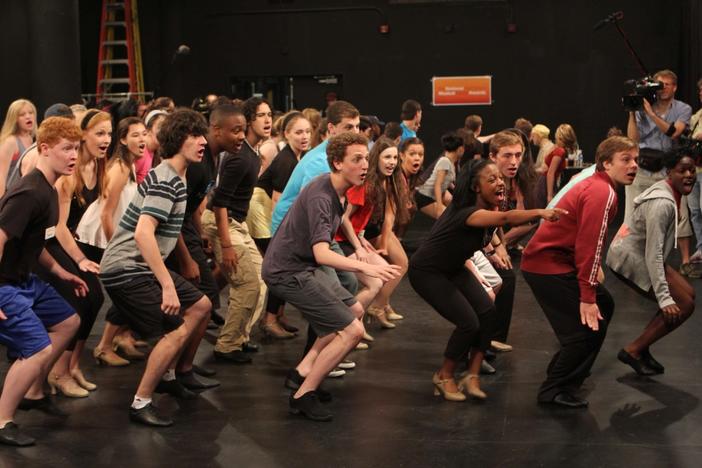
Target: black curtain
<point x="691" y="47"/>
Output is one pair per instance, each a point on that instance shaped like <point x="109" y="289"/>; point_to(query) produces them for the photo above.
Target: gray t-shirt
<point x="443" y="164"/>
<point x="314" y="217"/>
<point x="163" y="196"/>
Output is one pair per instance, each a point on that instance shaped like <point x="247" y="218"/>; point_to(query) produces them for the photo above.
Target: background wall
<point x="40" y="52"/>
<point x="553" y="69"/>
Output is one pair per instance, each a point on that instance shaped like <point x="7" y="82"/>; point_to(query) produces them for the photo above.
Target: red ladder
<point x="117" y="68"/>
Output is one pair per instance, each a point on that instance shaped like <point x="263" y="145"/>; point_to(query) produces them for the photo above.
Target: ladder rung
<point x="115" y="62"/>
<point x="114" y="43"/>
<point x="116" y="23"/>
<point x="115" y="81"/>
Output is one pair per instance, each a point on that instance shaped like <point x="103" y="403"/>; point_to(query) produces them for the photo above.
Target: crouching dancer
<point x="291" y="268"/>
<point x="36" y="323"/>
<point x="561" y="264"/>
<point x="156" y="302"/>
<point x="639" y="252"/>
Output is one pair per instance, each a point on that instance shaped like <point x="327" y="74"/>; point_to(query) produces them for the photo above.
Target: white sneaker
<point x="336" y="372"/>
<point x="346" y="364"/>
<point x="696" y="257"/>
<point x="361" y="346"/>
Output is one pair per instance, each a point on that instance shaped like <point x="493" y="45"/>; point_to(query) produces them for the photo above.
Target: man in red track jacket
<point x="561" y="264"/>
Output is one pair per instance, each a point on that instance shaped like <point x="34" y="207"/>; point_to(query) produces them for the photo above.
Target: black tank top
<point x="77" y="210"/>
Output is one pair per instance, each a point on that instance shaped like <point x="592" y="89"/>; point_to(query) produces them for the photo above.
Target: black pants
<point x="207" y="285"/>
<point x="559" y="297"/>
<point x="86" y="307"/>
<point x="504" y="302"/>
<point x="462" y="300"/>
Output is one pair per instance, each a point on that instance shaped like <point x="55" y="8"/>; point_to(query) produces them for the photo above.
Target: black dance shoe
<point x="250" y="347"/>
<point x="147" y="416"/>
<point x="176" y="389"/>
<point x="309" y="406"/>
<point x="235" y="357"/>
<point x="11" y="435"/>
<point x="638" y="365"/>
<point x="567" y="400"/>
<point x="45" y="405"/>
<point x="204" y="371"/>
<point x="191" y="382"/>
<point x="651" y="361"/>
<point x="487" y="369"/>
<point x="293" y="381"/>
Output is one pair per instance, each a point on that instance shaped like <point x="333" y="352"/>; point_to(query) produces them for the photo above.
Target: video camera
<point x="636" y="90"/>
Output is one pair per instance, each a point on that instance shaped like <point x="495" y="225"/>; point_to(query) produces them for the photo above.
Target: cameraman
<point x="655" y="128"/>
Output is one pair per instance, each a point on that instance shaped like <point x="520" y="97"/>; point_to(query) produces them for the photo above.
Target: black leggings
<point x="504" y="302"/>
<point x="86" y="307"/>
<point x="462" y="300"/>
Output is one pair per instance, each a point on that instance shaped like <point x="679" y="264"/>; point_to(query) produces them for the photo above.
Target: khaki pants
<point x="247" y="291"/>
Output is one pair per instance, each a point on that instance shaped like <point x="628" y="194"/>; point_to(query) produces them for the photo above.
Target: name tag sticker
<point x="50" y="233"/>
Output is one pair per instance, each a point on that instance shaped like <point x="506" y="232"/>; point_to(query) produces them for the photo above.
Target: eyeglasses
<point x="260" y="115"/>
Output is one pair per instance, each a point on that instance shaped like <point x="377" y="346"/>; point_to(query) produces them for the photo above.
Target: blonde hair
<point x="566" y="135"/>
<point x="668" y="74"/>
<point x="9" y="127"/>
<point x="542" y="130"/>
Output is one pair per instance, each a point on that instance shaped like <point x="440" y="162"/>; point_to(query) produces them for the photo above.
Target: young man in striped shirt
<point x="154" y="301"/>
<point x="562" y="265"/>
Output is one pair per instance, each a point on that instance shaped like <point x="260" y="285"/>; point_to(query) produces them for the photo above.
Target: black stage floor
<point x="385" y="414"/>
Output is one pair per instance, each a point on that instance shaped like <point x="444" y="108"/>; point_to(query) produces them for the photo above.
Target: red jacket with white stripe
<point x="576" y="241"/>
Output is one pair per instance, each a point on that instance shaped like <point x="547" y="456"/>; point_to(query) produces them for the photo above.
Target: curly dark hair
<point x="177" y="127"/>
<point x="250" y="107"/>
<point x="336" y="149"/>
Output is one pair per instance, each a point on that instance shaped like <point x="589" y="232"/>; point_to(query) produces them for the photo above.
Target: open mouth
<point x="500" y="195"/>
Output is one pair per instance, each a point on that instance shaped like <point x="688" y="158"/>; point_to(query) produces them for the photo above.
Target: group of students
<point x="316" y="228"/>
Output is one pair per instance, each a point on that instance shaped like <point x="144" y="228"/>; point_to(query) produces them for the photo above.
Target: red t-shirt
<point x="560" y="152"/>
<point x="359" y="219"/>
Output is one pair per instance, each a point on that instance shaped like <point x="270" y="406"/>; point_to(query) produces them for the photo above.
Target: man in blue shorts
<point x="36" y="323"/>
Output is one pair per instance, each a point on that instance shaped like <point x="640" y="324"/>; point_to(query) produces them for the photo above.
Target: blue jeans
<point x="693" y="201"/>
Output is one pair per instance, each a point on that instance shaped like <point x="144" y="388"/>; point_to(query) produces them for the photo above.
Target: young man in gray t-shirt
<point x="291" y="270"/>
<point x="156" y="302"/>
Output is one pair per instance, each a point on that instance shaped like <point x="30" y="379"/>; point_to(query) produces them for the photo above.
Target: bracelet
<point x="80" y="260"/>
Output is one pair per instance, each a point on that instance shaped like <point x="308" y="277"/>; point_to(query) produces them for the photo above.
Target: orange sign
<point x="462" y="90"/>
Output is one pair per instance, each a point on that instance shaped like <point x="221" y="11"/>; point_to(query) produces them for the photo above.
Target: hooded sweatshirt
<point x="651" y="237"/>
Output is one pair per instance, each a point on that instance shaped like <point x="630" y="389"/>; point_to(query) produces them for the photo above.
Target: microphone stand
<point x="642" y="67"/>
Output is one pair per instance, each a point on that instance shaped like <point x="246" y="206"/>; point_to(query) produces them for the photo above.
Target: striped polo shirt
<point x="163" y="196"/>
